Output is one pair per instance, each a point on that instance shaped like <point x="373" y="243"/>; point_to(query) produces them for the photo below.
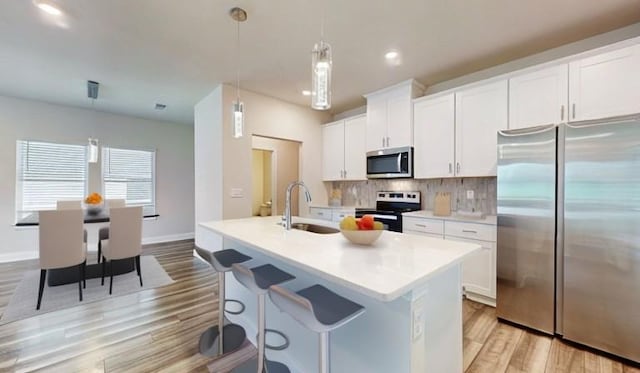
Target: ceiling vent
<point x="160" y="106"/>
<point x="92" y="89"/>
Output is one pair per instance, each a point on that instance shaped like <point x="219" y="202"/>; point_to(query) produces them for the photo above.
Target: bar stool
<point x="232" y="335"/>
<point x="319" y="309"/>
<point x="258" y="280"/>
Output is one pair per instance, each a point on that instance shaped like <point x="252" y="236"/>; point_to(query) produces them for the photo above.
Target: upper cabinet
<point x="389" y="116"/>
<point x="434" y="129"/>
<point x="343" y="149"/>
<point x="605" y="85"/>
<point x="539" y="97"/>
<point x="481" y="111"/>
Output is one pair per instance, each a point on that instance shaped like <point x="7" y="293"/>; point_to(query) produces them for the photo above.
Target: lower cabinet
<point x="331" y="213"/>
<point x="479" y="269"/>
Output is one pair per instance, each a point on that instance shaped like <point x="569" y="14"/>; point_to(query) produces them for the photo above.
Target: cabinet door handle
<point x="383" y="139"/>
<point x="320" y="213"/>
<point x="458" y="167"/>
<point x="469" y="231"/>
<point x="345" y="174"/>
<point x="573" y="108"/>
<point x="562" y="112"/>
<point x="450" y="167"/>
<point x="388" y="141"/>
<point x="420" y="225"/>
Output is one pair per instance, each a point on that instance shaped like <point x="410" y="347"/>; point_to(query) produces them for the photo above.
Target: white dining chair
<point x="69" y="205"/>
<point x="103" y="233"/>
<point x="125" y="240"/>
<point x="61" y="245"/>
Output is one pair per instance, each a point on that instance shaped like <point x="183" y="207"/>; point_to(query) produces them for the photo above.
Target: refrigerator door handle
<point x="603" y="122"/>
<point x="527" y="131"/>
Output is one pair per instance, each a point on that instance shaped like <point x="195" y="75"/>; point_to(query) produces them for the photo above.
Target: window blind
<point x="48" y="172"/>
<point x="130" y="175"/>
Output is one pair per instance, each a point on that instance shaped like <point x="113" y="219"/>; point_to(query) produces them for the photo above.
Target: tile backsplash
<point x="363" y="193"/>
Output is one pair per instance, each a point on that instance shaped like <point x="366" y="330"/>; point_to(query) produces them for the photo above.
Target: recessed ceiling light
<point x="306" y="93"/>
<point x="48" y="7"/>
<point x="391" y="55"/>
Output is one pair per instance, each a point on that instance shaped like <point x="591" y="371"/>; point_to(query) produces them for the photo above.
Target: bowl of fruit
<point x="94" y="204"/>
<point x="361" y="231"/>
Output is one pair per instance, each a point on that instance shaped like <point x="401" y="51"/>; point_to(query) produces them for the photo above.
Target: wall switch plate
<point x="470" y="194"/>
<point x="237" y="193"/>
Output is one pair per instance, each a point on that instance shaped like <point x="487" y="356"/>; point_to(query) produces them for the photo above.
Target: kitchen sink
<point x="314" y="228"/>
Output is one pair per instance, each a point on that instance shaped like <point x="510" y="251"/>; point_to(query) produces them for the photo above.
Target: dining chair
<point x="71" y="205"/>
<point x="125" y="240"/>
<point x="103" y="233"/>
<point x="61" y="245"/>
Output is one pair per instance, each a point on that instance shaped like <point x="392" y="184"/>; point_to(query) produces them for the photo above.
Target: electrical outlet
<point x="237" y="193"/>
<point x="418" y="322"/>
<point x="469" y="194"/>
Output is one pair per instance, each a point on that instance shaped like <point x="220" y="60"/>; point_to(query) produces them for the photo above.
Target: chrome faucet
<point x="287" y="207"/>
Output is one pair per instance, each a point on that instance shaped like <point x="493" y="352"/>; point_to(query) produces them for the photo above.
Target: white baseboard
<point x="168" y="238"/>
<point x="18" y="256"/>
<point x="27" y="255"/>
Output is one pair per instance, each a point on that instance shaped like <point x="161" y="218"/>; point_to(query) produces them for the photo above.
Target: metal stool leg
<point x="220" y="313"/>
<point x="261" y="332"/>
<point x="323" y="357"/>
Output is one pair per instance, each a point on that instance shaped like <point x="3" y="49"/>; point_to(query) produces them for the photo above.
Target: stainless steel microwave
<point x="390" y="163"/>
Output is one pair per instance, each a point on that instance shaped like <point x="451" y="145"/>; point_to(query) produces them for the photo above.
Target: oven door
<point x="390" y="163"/>
<point x="391" y="221"/>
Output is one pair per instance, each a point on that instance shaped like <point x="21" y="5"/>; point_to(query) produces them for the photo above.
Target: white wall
<point x="32" y="120"/>
<point x="230" y="166"/>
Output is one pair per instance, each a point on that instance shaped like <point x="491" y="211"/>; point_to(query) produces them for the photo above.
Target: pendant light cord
<point x="238" y="60"/>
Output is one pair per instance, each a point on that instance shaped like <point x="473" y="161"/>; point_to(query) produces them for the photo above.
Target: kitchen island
<point x="410" y="286"/>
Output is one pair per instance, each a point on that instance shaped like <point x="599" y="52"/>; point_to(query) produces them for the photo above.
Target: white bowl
<point x="361" y="237"/>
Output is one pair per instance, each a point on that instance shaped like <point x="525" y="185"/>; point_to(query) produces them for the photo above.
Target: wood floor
<point x="158" y="330"/>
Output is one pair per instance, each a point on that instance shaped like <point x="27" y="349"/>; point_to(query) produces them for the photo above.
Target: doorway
<point x="275" y="164"/>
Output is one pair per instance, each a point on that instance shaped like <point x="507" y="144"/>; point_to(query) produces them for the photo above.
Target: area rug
<point x="23" y="302"/>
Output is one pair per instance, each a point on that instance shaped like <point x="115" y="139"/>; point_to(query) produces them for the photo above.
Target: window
<point x="130" y="175"/>
<point x="48" y="172"/>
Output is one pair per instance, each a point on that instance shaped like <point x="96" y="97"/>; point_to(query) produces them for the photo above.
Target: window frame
<point x="19" y="212"/>
<point x="154" y="153"/>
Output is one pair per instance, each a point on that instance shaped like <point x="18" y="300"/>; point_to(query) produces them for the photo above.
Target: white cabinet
<point x="434" y="129"/>
<point x="539" y="97"/>
<point x="333" y="151"/>
<point x="389" y="116"/>
<point x="481" y="112"/>
<point x="322" y="213"/>
<point x="343" y="149"/>
<point x="426" y="227"/>
<point x="605" y="85"/>
<point x="479" y="268"/>
<point x="338" y="214"/>
<point x="355" y="153"/>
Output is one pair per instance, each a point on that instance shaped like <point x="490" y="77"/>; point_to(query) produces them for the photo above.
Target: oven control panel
<point x="408" y="197"/>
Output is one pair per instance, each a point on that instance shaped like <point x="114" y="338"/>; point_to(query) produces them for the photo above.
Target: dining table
<point x="68" y="275"/>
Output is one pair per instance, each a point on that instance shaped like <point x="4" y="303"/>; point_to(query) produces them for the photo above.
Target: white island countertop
<point x="394" y="265"/>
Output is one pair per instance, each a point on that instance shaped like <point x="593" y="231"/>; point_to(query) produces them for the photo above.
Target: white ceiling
<point x="175" y="52"/>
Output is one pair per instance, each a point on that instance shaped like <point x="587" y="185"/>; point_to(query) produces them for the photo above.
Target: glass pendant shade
<point x="238" y="119"/>
<point x="321" y="76"/>
<point x="92" y="151"/>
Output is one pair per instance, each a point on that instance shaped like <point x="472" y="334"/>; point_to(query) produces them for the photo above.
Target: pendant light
<point x="321" y="72"/>
<point x="92" y="147"/>
<point x="239" y="15"/>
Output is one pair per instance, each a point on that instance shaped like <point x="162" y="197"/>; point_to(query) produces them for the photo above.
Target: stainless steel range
<point x="390" y="206"/>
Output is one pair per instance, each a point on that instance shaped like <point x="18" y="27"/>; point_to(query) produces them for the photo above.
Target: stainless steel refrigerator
<point x="569" y="232"/>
